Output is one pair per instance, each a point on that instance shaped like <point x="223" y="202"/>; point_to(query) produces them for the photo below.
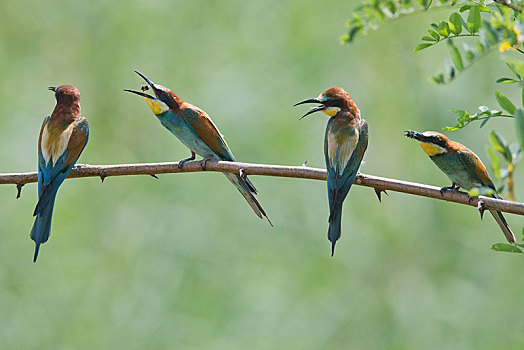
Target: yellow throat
<point x="158" y="107"/>
<point x="331" y="111"/>
<point x="431" y="149"/>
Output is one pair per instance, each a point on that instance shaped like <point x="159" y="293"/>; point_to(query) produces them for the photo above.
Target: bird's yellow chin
<point x="158" y="107"/>
<point x="431" y="149"/>
<point x="331" y="111"/>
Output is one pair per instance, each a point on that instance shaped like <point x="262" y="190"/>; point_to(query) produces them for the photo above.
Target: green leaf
<point x="421" y="46"/>
<point x="464" y="8"/>
<point x="434" y="34"/>
<point x="428" y="38"/>
<point x="390" y="5"/>
<point x="516" y="66"/>
<point x="506" y="81"/>
<point x="435" y="26"/>
<point x="512" y="68"/>
<point x="455" y="55"/>
<point x="353" y="32"/>
<point x="500" y="145"/>
<point x="495" y="166"/>
<point x="506" y="247"/>
<point x="519" y="127"/>
<point x="455" y="23"/>
<point x="480" y="47"/>
<point x="469" y="53"/>
<point x="443" y="28"/>
<point x="438" y="78"/>
<point x="504" y="102"/>
<point x="474" y="20"/>
<point x="483" y="8"/>
<point x="424" y="3"/>
<point x="485" y="120"/>
<point x="491" y="33"/>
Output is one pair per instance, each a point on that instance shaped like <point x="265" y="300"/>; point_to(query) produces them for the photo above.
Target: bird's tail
<point x="334" y="227"/>
<point x="248" y="190"/>
<point x="42" y="225"/>
<point x="502" y="222"/>
<point x="503" y="225"/>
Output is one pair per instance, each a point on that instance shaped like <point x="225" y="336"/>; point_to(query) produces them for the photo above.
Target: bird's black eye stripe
<point x="333" y="102"/>
<point x="164" y="97"/>
<point x="437" y="140"/>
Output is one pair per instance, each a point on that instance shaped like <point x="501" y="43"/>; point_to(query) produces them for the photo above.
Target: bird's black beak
<point x="311" y="100"/>
<point x="416" y="135"/>
<point x="52" y="88"/>
<point x="150" y="83"/>
<point x="314" y="109"/>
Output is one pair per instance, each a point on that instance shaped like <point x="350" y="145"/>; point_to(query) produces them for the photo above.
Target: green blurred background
<point x="182" y="262"/>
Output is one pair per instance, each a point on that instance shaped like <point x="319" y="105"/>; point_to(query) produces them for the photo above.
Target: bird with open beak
<point x="345" y="142"/>
<point x="193" y="127"/>
<point x="463" y="167"/>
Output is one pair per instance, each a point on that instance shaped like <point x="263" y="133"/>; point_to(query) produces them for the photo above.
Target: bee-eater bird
<point x="463" y="168"/>
<point x="63" y="136"/>
<point x="193" y="127"/>
<point x="345" y="142"/>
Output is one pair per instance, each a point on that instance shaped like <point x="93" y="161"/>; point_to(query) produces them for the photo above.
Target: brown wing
<point x="475" y="167"/>
<point x="44" y="123"/>
<point x="77" y="141"/>
<point x="208" y="132"/>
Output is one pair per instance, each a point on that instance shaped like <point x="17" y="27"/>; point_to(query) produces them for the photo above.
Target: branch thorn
<point x="378" y="192"/>
<point x="19" y="190"/>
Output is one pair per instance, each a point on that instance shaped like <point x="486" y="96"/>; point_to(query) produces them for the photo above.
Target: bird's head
<point x="66" y="93"/>
<point x="331" y="102"/>
<point x="164" y="99"/>
<point x="432" y="142"/>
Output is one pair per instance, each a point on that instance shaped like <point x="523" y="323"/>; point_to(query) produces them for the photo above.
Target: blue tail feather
<point x="42" y="226"/>
<point x="246" y="189"/>
<point x="334" y="227"/>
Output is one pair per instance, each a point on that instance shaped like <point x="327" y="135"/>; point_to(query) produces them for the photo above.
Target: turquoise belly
<point x="456" y="171"/>
<point x="187" y="136"/>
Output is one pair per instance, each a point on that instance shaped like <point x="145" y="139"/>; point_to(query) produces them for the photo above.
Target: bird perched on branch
<point x="463" y="168"/>
<point x="194" y="128"/>
<point x="63" y="136"/>
<point x="345" y="142"/>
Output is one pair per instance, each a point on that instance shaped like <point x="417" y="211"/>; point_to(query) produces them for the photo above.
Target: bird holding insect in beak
<point x="463" y="168"/>
<point x="193" y="127"/>
<point x="63" y="136"/>
<point x="345" y="142"/>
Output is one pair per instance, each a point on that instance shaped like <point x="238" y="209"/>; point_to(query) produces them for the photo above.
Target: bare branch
<point x="508" y="4"/>
<point x="303" y="172"/>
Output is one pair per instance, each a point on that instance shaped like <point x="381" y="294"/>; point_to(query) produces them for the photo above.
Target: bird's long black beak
<point x="143" y="94"/>
<point x="416" y="135"/>
<point x="312" y="110"/>
<point x="311" y="100"/>
<point x="52" y="88"/>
